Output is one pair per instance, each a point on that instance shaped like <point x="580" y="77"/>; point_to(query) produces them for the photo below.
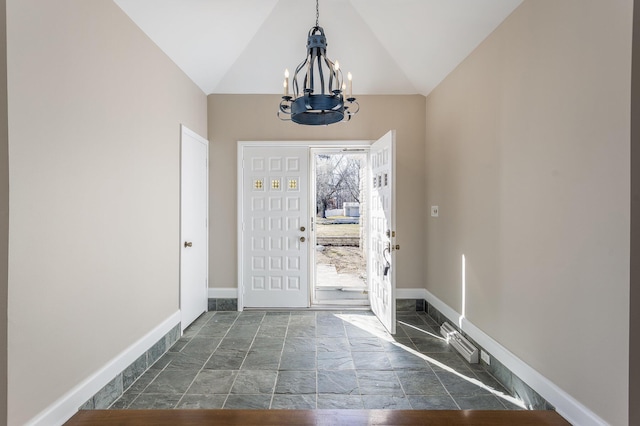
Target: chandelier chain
<point x="317" y="13"/>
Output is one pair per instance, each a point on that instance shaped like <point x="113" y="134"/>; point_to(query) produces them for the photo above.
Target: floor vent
<point x="462" y="345"/>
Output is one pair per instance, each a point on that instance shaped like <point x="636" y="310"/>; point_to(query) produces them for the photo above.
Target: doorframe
<point x="240" y="199"/>
<point x="313" y="150"/>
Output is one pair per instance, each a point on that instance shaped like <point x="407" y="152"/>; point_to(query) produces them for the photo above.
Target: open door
<point x="382" y="225"/>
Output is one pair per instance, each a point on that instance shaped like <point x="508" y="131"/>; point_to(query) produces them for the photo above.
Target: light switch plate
<point x="434" y="211"/>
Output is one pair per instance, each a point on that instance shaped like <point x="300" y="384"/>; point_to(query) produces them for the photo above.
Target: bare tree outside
<point x="337" y="181"/>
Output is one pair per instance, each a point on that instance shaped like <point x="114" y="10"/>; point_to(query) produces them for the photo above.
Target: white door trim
<point x="239" y="197"/>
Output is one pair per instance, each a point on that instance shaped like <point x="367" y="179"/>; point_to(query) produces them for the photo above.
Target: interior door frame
<point x="240" y="197"/>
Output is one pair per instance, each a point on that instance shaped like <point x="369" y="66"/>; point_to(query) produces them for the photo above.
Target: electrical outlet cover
<point x="434" y="211"/>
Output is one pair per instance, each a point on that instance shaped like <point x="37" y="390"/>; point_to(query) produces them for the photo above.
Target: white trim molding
<point x="223" y="293"/>
<point x="411" y="293"/>
<point x="67" y="405"/>
<point x="567" y="406"/>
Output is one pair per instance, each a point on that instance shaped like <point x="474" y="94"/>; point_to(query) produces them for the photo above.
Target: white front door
<point x="194" y="195"/>
<point x="382" y="271"/>
<point x="274" y="227"/>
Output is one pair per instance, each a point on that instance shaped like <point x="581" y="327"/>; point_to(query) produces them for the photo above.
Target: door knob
<point x="302" y="228"/>
<point x="302" y="239"/>
<point x="188" y="244"/>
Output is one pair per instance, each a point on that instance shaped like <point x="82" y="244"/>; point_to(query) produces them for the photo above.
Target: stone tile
<point x="88" y="405"/>
<point x="230" y="342"/>
<point x="134" y="371"/>
<point x="294" y="402"/>
<point x="177" y="346"/>
<point x="330" y="331"/>
<point x="226" y="359"/>
<point x="246" y="331"/>
<point x="296" y="382"/>
<point x="431" y="402"/>
<point x="298" y="361"/>
<point x="214" y="329"/>
<point x="143" y="381"/>
<point x="155" y="352"/>
<point x="171" y="381"/>
<point x="124" y="401"/>
<point x="340" y="402"/>
<point x="332" y="344"/>
<point x="531" y="398"/>
<point x="479" y="402"/>
<point x="301" y="331"/>
<point x="226" y="304"/>
<point x="172" y="336"/>
<point x="201" y="346"/>
<point x="335" y="361"/>
<point x="108" y="394"/>
<point x="267" y="343"/>
<point x="451" y="360"/>
<point x="210" y="382"/>
<point x="299" y="344"/>
<point x="226" y="318"/>
<point x="261" y="360"/>
<point x="342" y="382"/>
<point x="407" y="360"/>
<point x="420" y="305"/>
<point x="490" y="381"/>
<point x="208" y="402"/>
<point x="150" y="401"/>
<point x="378" y="383"/>
<point x="365" y="344"/>
<point x="275" y="331"/>
<point x="371" y="361"/>
<point x="211" y="304"/>
<point x="353" y="331"/>
<point x="386" y="402"/>
<point x="247" y="402"/>
<point x="253" y="382"/>
<point x="460" y="386"/>
<point x="405" y="305"/>
<point x="182" y="361"/>
<point x="430" y="344"/>
<point x="420" y="383"/>
<point x="246" y="318"/>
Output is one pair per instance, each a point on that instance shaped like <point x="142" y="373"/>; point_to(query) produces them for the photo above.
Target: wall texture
<point x="4" y="211"/>
<point x="94" y="145"/>
<point x="528" y="158"/>
<point x="234" y="118"/>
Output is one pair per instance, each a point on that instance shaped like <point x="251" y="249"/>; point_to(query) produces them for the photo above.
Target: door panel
<point x="275" y="207"/>
<point x="382" y="231"/>
<point x="193" y="226"/>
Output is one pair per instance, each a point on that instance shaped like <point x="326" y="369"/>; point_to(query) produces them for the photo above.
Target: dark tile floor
<point x="313" y="359"/>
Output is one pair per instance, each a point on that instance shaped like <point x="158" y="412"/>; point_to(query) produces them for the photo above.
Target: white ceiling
<point x="390" y="46"/>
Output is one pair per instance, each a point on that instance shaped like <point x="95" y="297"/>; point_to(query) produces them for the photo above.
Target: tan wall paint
<point x="4" y="211"/>
<point x="94" y="141"/>
<point x="234" y="118"/>
<point x="528" y="158"/>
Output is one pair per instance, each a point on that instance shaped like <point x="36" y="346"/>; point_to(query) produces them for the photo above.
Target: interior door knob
<point x="188" y="244"/>
<point x="302" y="228"/>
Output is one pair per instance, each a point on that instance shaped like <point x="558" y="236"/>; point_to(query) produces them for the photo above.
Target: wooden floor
<point x="314" y="417"/>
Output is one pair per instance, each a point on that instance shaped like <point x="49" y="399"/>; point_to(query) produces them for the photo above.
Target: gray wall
<point x="94" y="138"/>
<point x="634" y="305"/>
<point x="4" y="211"/>
<point x="234" y="118"/>
<point x="528" y="158"/>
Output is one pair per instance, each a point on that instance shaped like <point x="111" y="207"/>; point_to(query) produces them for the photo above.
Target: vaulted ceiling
<point x="390" y="46"/>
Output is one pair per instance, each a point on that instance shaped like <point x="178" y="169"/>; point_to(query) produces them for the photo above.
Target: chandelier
<point x="324" y="98"/>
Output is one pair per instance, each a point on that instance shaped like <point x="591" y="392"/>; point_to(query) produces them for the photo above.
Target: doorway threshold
<point x="323" y="307"/>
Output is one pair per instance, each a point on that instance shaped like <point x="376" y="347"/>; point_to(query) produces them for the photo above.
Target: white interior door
<point x="274" y="236"/>
<point x="194" y="195"/>
<point x="382" y="271"/>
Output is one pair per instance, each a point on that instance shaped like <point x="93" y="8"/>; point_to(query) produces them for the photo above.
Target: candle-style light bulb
<point x="336" y="66"/>
<point x="350" y="78"/>
<point x="286" y="82"/>
<point x="344" y="90"/>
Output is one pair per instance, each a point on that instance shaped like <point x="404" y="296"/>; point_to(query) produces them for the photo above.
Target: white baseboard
<point x="567" y="406"/>
<point x="223" y="293"/>
<point x="66" y="406"/>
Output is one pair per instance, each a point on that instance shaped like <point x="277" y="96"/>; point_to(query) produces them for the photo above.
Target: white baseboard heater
<point x="462" y="345"/>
